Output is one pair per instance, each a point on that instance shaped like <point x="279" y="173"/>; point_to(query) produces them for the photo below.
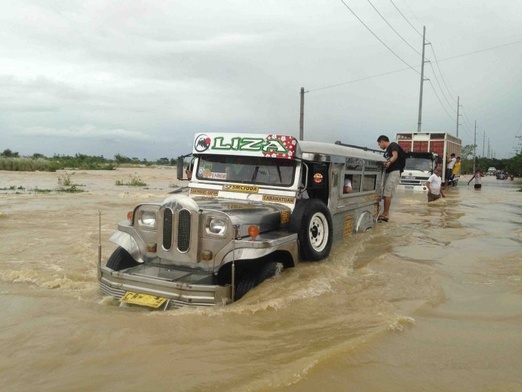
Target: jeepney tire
<point x="244" y="284"/>
<point x="269" y="270"/>
<point x="254" y="276"/>
<point x="121" y="259"/>
<point x="312" y="222"/>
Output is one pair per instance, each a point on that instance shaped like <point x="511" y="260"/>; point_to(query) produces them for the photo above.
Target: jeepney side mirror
<point x="179" y="167"/>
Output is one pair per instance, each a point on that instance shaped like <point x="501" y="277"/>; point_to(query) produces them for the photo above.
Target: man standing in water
<point x="394" y="165"/>
<point x="434" y="185"/>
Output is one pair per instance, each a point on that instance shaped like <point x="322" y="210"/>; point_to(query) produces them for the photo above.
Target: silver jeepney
<point x="256" y="204"/>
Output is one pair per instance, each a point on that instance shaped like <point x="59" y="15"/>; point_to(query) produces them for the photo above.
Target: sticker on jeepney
<point x="214" y="175"/>
<point x="318" y="178"/>
<point x="204" y="192"/>
<point x="279" y="199"/>
<point x="285" y="217"/>
<point x="270" y="146"/>
<point x="288" y="142"/>
<point x="348" y="226"/>
<point x="241" y="188"/>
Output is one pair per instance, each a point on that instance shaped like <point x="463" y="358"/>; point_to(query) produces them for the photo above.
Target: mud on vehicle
<point x="256" y="204"/>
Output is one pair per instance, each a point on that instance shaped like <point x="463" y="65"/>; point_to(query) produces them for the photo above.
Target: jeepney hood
<point x="242" y="212"/>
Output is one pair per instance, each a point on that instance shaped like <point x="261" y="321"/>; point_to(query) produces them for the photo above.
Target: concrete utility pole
<point x="483" y="143"/>
<point x="458" y="107"/>
<point x="419" y="123"/>
<point x="474" y="147"/>
<point x="301" y="116"/>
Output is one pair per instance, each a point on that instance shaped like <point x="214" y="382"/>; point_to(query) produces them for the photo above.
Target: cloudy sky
<point x="140" y="78"/>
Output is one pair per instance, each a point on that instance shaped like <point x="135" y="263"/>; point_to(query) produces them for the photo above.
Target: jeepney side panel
<point x="356" y="211"/>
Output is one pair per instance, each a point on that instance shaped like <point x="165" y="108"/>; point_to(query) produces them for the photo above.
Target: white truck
<point x="425" y="150"/>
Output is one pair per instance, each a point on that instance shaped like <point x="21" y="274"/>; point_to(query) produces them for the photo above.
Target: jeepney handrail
<point x="338" y="142"/>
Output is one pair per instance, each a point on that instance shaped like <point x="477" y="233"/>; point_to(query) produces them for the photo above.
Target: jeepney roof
<point x="332" y="152"/>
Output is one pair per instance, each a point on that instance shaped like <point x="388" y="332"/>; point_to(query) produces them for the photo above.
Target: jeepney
<point x="256" y="203"/>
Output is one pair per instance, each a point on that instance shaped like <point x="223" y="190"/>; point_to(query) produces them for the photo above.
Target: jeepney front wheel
<point x="249" y="274"/>
<point x="312" y="222"/>
<point x="121" y="259"/>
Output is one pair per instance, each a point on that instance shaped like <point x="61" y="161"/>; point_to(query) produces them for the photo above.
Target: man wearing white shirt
<point x="434" y="185"/>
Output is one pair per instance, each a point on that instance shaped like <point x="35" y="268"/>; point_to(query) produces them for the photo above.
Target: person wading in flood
<point x="394" y="166"/>
<point x="434" y="185"/>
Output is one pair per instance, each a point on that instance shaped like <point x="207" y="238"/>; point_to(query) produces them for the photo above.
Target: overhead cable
<point x="395" y="31"/>
<point x="380" y="40"/>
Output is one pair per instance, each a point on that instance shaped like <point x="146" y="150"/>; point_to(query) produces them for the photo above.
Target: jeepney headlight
<point x="217" y="226"/>
<point x="148" y="218"/>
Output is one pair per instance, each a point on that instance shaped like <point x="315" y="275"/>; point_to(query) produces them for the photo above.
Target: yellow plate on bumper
<point x="143" y="299"/>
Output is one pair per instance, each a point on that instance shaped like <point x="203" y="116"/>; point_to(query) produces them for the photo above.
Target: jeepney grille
<point x="167" y="229"/>
<point x="183" y="230"/>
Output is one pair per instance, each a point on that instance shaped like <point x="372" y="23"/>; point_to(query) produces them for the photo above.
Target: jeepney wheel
<point x="312" y="222"/>
<point x="254" y="276"/>
<point x="121" y="259"/>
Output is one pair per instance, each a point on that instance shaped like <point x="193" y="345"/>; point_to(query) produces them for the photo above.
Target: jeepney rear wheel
<point x="312" y="222"/>
<point x="121" y="259"/>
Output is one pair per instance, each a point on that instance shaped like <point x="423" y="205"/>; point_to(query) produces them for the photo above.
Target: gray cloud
<point x="140" y="78"/>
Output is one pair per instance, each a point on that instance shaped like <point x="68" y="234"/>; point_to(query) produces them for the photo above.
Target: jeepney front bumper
<point x="191" y="286"/>
<point x="179" y="287"/>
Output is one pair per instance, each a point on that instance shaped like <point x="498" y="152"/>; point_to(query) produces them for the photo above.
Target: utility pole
<point x="301" y="116"/>
<point x="483" y="143"/>
<point x="458" y="107"/>
<point x="474" y="147"/>
<point x="419" y="123"/>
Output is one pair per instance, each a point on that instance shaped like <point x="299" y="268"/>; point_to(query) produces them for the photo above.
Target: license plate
<point x="151" y="301"/>
<point x="408" y="187"/>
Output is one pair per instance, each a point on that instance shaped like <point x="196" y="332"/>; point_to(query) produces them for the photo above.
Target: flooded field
<point x="430" y="301"/>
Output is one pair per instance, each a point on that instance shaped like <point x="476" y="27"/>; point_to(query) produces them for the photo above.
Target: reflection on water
<point x="428" y="301"/>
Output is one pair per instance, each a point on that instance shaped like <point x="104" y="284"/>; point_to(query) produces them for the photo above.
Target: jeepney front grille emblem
<point x="184" y="230"/>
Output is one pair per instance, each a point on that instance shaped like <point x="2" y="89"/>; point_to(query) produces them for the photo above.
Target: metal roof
<point x="331" y="152"/>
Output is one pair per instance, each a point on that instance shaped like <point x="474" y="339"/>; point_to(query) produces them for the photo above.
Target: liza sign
<point x="270" y="146"/>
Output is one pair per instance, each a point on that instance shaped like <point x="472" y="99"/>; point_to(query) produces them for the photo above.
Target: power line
<point x="375" y="35"/>
<point x="391" y="27"/>
<point x="406" y="19"/>
<point x="405" y="69"/>
<point x="440" y="87"/>
<point x="357" y="80"/>
<point x="437" y="95"/>
<point x="480" y="51"/>
<point x="441" y="75"/>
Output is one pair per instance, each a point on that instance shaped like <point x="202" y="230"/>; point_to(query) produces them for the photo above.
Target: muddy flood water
<point x="430" y="301"/>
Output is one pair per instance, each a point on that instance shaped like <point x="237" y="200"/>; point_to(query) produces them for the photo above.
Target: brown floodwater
<point x="430" y="301"/>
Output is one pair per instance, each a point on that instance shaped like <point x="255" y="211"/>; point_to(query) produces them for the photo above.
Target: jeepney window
<point x="348" y="184"/>
<point x="369" y="183"/>
<point x="246" y="169"/>
<point x="356" y="182"/>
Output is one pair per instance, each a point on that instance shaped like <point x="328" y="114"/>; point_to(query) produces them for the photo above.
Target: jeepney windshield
<point x="246" y="169"/>
<point x="421" y="164"/>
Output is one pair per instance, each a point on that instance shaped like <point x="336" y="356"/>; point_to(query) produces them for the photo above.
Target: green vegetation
<point x="65" y="184"/>
<point x="12" y="161"/>
<point x="134" y="181"/>
<point x="512" y="165"/>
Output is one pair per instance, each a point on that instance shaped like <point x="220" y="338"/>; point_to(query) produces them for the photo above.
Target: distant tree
<point x="467" y="151"/>
<point x="163" y="161"/>
<point x="121" y="158"/>
<point x="37" y="155"/>
<point x="514" y="165"/>
<point x="9" y="154"/>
